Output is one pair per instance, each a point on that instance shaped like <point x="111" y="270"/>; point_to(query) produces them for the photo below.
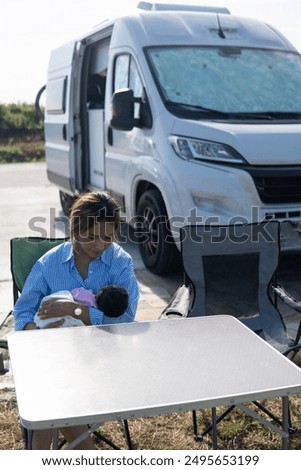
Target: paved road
<point x="29" y="205"/>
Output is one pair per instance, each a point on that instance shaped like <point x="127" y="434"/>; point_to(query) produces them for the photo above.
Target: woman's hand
<point x="56" y="308"/>
<point x="53" y="308"/>
<point x="55" y="324"/>
<point x="33" y="326"/>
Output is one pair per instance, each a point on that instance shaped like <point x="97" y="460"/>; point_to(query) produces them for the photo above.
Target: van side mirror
<point x="123" y="110"/>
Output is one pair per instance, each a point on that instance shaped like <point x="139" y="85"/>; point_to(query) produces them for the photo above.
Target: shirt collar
<point x="67" y="252"/>
<point x="105" y="257"/>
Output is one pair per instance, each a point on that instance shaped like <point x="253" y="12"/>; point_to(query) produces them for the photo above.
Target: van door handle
<point x="110" y="135"/>
<point x="64" y="132"/>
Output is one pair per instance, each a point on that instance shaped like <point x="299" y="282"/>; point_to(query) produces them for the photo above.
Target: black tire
<point x="66" y="202"/>
<point x="157" y="248"/>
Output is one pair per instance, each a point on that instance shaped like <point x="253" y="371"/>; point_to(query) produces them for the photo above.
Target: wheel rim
<point x="151" y="229"/>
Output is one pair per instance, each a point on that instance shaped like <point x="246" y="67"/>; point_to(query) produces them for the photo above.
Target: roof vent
<point x="178" y="7"/>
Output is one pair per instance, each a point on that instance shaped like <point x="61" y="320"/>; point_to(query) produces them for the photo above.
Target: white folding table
<point x="89" y="375"/>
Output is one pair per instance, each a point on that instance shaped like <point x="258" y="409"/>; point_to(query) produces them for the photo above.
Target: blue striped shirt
<point x="56" y="270"/>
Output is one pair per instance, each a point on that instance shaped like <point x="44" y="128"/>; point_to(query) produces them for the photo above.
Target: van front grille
<point x="277" y="185"/>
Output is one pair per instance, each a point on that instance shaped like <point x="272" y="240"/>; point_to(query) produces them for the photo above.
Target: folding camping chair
<point x="291" y="302"/>
<point x="230" y="270"/>
<point x="25" y="251"/>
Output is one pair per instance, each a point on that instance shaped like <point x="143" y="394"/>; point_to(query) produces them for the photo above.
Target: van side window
<point x="136" y="85"/>
<point x="127" y="76"/>
<point x="121" y="76"/>
<point x="56" y="95"/>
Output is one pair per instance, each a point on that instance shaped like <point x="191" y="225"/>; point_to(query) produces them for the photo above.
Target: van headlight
<point x="196" y="149"/>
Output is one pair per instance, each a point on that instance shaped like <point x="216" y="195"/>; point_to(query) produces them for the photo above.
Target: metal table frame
<point x="90" y="375"/>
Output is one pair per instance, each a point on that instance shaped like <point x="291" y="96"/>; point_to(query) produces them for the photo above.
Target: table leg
<point x="55" y="439"/>
<point x="28" y="438"/>
<point x="285" y="422"/>
<point x="127" y="434"/>
<point x="214" y="429"/>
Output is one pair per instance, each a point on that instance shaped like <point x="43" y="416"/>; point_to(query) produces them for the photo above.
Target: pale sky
<point x="30" y="29"/>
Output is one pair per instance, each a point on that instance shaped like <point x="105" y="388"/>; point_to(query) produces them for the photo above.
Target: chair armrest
<point x="5" y="318"/>
<point x="287" y="298"/>
<point x="3" y="344"/>
<point x="179" y="305"/>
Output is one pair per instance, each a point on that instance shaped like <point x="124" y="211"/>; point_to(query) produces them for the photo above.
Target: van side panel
<point x="59" y="129"/>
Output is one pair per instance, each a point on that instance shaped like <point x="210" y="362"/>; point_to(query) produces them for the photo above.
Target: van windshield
<point x="228" y="82"/>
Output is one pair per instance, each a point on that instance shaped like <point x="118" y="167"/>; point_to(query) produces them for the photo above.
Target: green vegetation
<point x="21" y="134"/>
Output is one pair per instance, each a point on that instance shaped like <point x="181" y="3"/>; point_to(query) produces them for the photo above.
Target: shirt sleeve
<point x="34" y="290"/>
<point x="125" y="278"/>
<point x="96" y="316"/>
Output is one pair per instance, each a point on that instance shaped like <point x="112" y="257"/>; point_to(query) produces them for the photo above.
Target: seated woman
<point x="91" y="259"/>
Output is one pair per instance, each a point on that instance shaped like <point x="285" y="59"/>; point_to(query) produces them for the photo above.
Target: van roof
<point x="151" y="28"/>
<point x="179" y="7"/>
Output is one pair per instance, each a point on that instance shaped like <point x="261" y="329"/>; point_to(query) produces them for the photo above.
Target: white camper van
<point x="187" y="114"/>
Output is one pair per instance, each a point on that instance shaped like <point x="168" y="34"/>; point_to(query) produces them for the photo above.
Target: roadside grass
<point x="30" y="148"/>
<point x="175" y="431"/>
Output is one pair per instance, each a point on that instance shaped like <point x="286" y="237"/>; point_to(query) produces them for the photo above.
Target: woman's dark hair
<point x="91" y="208"/>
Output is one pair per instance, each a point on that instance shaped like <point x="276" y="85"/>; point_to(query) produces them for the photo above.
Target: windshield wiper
<point x="267" y="115"/>
<point x="197" y="108"/>
<point x="285" y="114"/>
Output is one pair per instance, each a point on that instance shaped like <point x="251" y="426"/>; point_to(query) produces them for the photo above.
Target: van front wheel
<point x="157" y="248"/>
